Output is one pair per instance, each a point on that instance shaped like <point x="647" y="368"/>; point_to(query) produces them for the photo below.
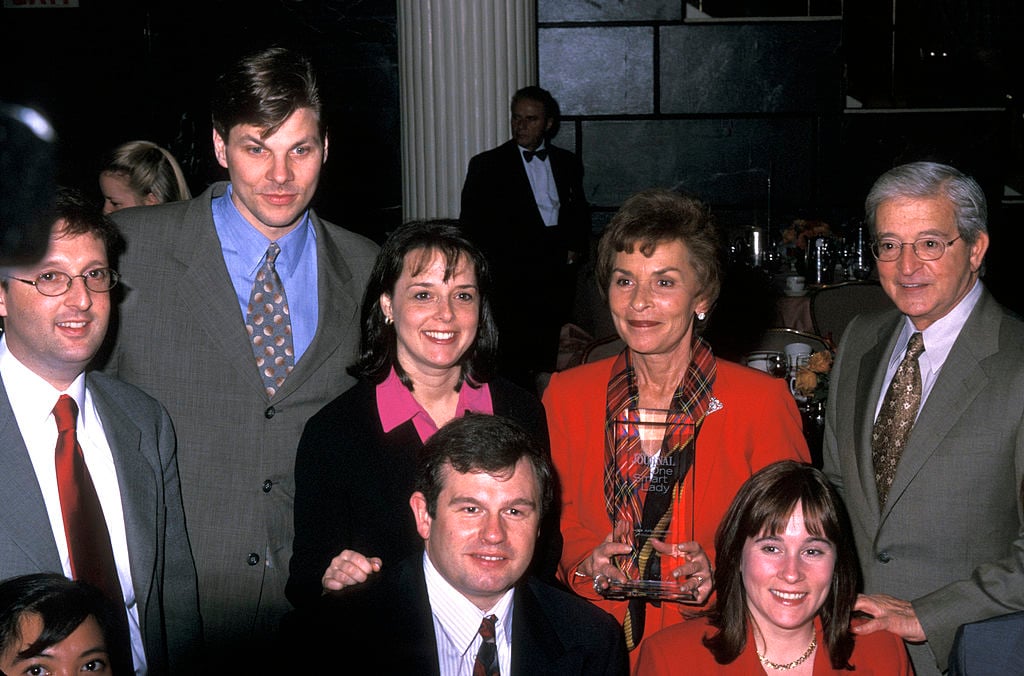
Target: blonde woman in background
<point x="141" y="173"/>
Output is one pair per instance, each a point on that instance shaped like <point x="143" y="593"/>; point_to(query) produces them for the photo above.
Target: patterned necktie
<point x="486" y="663"/>
<point x="89" y="549"/>
<point x="269" y="324"/>
<point x="896" y="417"/>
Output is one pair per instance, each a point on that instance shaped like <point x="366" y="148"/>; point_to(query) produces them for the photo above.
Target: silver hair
<point x="919" y="180"/>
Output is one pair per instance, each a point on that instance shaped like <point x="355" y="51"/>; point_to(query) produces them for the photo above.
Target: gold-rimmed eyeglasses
<point x="53" y="283"/>
<point x="925" y="248"/>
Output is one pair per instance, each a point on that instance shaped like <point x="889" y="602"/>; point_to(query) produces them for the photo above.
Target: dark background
<point x="814" y="102"/>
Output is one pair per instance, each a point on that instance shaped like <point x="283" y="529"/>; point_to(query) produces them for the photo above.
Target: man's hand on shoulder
<point x="887" y="613"/>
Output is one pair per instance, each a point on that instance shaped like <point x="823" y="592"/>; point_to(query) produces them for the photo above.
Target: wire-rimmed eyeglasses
<point x="53" y="283"/>
<point x="925" y="248"/>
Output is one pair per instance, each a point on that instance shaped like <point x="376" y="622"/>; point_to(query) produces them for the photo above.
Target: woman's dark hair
<point x="414" y="244"/>
<point x="763" y="505"/>
<point x="62" y="604"/>
<point x="656" y="216"/>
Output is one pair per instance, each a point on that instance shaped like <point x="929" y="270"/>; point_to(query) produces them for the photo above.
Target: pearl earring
<point x="701" y="316"/>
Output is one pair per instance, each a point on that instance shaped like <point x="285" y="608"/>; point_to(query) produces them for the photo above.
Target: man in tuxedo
<point x="115" y="463"/>
<point x="523" y="203"/>
<point x="482" y="486"/>
<point x="934" y="498"/>
<point x="241" y="314"/>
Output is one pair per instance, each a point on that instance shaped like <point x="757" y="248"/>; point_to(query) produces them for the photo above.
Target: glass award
<point x="664" y="483"/>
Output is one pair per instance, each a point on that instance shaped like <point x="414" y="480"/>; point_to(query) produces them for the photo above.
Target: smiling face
<point x="926" y="291"/>
<point x="57" y="336"/>
<point x="787" y="576"/>
<point x="83" y="650"/>
<point x="653" y="299"/>
<point x="273" y="179"/>
<point x="435" y="318"/>
<point x="482" y="538"/>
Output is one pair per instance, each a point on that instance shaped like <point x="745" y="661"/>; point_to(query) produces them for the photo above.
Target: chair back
<point x="602" y="348"/>
<point x="776" y="339"/>
<point x="834" y="305"/>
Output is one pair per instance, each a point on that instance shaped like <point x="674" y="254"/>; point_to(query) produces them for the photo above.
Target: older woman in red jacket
<point x="658" y="265"/>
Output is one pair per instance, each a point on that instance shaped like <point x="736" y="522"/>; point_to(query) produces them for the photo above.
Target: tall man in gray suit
<point x="56" y="312"/>
<point x="936" y="518"/>
<point x="200" y="275"/>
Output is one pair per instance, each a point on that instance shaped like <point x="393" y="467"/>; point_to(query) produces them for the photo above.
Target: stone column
<point x="459" y="63"/>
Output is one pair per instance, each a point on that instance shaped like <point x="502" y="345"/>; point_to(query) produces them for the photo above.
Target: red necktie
<point x="92" y="558"/>
<point x="486" y="663"/>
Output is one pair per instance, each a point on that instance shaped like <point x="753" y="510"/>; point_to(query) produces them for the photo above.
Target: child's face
<point x="83" y="650"/>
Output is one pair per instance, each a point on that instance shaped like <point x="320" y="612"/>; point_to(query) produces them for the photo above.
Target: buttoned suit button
<point x="270" y="412"/>
<point x="267" y="485"/>
<point x="253" y="559"/>
<point x="883" y="557"/>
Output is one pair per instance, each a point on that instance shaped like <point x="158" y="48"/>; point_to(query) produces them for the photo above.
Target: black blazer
<point x="499" y="211"/>
<point x="389" y="622"/>
<point x="353" y="482"/>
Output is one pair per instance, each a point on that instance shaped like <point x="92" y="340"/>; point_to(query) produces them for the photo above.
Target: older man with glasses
<point x="90" y="481"/>
<point x="924" y="434"/>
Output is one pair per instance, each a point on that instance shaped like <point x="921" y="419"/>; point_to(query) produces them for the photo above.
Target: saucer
<point x="795" y="294"/>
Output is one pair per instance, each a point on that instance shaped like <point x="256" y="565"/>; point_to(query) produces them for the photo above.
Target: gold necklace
<point x="789" y="665"/>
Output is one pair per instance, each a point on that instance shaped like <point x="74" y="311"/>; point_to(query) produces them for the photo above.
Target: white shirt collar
<point x="459" y="617"/>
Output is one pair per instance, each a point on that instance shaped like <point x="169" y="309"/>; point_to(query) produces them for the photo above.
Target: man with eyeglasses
<point x="118" y="465"/>
<point x="924" y="432"/>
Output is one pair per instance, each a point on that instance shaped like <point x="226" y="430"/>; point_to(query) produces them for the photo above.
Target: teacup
<point x="795" y="284"/>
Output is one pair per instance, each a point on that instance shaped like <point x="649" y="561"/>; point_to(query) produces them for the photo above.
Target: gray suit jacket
<point x="142" y="442"/>
<point x="950" y="537"/>
<point x="181" y="338"/>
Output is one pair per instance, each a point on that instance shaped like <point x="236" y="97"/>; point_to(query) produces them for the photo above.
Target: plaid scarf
<point x="635" y="512"/>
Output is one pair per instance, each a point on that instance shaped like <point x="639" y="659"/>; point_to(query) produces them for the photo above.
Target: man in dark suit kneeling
<point x="482" y="486"/>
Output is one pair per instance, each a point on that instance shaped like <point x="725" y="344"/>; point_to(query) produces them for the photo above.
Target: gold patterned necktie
<point x="486" y="663"/>
<point x="896" y="417"/>
<point x="269" y="324"/>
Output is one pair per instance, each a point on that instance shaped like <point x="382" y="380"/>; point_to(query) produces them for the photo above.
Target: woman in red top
<point x="658" y="266"/>
<point x="786" y="583"/>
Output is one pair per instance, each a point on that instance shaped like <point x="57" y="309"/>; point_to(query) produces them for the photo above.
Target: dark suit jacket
<point x="949" y="538"/>
<point x="141" y="440"/>
<point x="499" y="210"/>
<point x="500" y="213"/>
<point x="182" y="338"/>
<point x="553" y="632"/>
<point x="994" y="646"/>
<point x="353" y="482"/>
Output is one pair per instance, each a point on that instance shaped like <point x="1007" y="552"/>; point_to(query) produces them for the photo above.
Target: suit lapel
<point x="23" y="516"/>
<point x="207" y="291"/>
<point x="535" y="644"/>
<point x="338" y="313"/>
<point x="961" y="380"/>
<point x="137" y="479"/>
<point x="521" y="183"/>
<point x="870" y="376"/>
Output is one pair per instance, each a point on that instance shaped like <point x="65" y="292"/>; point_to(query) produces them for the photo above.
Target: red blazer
<point x="678" y="651"/>
<point x="757" y="425"/>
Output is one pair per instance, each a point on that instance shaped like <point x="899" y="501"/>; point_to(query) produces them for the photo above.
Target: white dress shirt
<point x="33" y="409"/>
<point x="457" y="625"/>
<point x="542" y="182"/>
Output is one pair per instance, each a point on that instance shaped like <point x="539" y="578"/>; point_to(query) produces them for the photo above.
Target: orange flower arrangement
<point x="812" y="379"/>
<point x="800" y="230"/>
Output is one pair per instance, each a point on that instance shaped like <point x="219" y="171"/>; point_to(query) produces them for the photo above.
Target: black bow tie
<point x="541" y="154"/>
